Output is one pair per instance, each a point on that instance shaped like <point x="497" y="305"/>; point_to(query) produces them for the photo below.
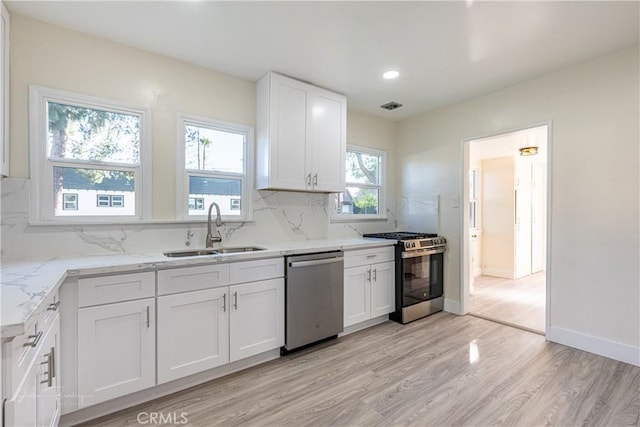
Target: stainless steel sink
<point x="211" y="251"/>
<point x="184" y="253"/>
<point x="239" y="249"/>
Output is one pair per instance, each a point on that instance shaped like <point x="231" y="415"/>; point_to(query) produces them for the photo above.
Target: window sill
<point x="130" y="222"/>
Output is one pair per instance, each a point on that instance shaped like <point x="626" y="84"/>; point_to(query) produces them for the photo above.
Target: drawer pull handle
<point x="35" y="338"/>
<point x="53" y="306"/>
<point x="235" y="300"/>
<point x="375" y="274"/>
<point x="371" y="256"/>
<point x="369" y="275"/>
<point x="224" y="302"/>
<point x="49" y="372"/>
<point x="148" y="318"/>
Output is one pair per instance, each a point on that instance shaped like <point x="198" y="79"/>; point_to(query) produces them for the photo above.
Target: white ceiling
<point x="446" y="52"/>
<point x="507" y="144"/>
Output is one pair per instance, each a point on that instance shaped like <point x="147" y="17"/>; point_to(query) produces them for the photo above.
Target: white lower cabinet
<point x="193" y="332"/>
<point x="369" y="285"/>
<point x="256" y="322"/>
<point x="204" y="329"/>
<point x="35" y="397"/>
<point x="116" y="350"/>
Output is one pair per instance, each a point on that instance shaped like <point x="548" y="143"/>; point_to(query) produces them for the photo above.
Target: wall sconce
<point x="528" y="151"/>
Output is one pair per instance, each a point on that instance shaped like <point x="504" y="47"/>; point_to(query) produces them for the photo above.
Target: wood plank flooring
<point x="518" y="302"/>
<point x="418" y="374"/>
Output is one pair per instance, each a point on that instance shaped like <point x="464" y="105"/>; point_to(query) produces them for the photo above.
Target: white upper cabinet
<point x="4" y="91"/>
<point x="301" y="136"/>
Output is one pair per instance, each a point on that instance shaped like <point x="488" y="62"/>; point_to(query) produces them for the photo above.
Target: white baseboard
<point x="364" y="325"/>
<point x="124" y="402"/>
<point x="497" y="272"/>
<point x="603" y="347"/>
<point x="451" y="306"/>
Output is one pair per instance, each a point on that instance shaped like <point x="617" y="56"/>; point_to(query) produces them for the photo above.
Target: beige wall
<point x="50" y="56"/>
<point x="594" y="108"/>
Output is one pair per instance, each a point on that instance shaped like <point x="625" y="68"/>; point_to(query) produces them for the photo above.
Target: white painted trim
<point x="41" y="209"/>
<point x="454" y="307"/>
<point x="382" y="207"/>
<point x="5" y="93"/>
<point x="498" y="272"/>
<point x="600" y="346"/>
<point x="464" y="214"/>
<point x="364" y="325"/>
<point x="182" y="177"/>
<point x="133" y="399"/>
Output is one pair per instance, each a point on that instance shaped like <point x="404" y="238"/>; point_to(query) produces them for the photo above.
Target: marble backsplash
<point x="278" y="216"/>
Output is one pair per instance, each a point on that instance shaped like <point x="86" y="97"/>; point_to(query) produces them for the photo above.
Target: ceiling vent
<point x="391" y="105"/>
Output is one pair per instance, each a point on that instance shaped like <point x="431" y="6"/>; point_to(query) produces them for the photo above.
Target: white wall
<point x="594" y="107"/>
<point x="50" y="56"/>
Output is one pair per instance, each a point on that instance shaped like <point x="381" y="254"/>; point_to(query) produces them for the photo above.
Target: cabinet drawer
<point x="261" y="269"/>
<point x="192" y="278"/>
<point x="121" y="287"/>
<point x="368" y="256"/>
<point x="23" y="347"/>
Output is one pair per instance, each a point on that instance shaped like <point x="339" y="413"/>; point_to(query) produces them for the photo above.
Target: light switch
<point x="455" y="202"/>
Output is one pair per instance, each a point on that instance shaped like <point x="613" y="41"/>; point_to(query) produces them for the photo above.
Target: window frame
<point x="42" y="205"/>
<point x="381" y="187"/>
<point x="182" y="173"/>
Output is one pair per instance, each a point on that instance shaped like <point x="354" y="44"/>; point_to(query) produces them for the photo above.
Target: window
<point x="110" y="201"/>
<point x="88" y="147"/>
<point x="196" y="203"/>
<point x="364" y="195"/>
<point x="70" y="202"/>
<point x="215" y="160"/>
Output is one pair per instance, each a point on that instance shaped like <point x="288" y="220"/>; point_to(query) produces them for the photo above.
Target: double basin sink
<point x="211" y="251"/>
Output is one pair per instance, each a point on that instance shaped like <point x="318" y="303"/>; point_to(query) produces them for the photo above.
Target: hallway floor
<point x="518" y="302"/>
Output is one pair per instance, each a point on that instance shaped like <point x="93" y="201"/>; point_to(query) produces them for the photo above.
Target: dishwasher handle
<point x="295" y="264"/>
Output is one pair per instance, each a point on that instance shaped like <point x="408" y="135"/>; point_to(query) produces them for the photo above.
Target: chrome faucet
<point x="210" y="240"/>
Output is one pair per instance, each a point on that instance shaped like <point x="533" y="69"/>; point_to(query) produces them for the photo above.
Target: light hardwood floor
<point x="518" y="302"/>
<point x="417" y="374"/>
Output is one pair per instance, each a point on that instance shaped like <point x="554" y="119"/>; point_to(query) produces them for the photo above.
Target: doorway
<point x="505" y="227"/>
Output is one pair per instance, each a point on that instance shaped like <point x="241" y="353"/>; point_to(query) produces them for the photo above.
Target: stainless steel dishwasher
<point x="314" y="298"/>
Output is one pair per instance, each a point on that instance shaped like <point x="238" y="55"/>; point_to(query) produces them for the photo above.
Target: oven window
<point x="423" y="277"/>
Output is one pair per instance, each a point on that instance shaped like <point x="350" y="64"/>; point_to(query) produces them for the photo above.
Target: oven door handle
<point x="424" y="252"/>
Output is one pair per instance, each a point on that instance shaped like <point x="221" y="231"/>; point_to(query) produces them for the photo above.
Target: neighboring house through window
<point x="214" y="165"/>
<point x="364" y="195"/>
<point x="70" y="201"/>
<point x="83" y="148"/>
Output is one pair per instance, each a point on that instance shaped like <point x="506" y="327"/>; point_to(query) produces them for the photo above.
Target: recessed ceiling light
<point x="392" y="74"/>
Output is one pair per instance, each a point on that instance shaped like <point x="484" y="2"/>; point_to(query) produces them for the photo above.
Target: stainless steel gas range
<point x="419" y="274"/>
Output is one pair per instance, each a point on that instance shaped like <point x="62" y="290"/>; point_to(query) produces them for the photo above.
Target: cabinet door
<point x="48" y="384"/>
<point x="192" y="333"/>
<point x="22" y="408"/>
<point x="256" y="318"/>
<point x="116" y="350"/>
<point x="383" y="292"/>
<point x="328" y="140"/>
<point x="288" y="133"/>
<point x="357" y="295"/>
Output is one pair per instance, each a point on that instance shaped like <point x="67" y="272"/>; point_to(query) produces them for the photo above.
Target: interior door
<point x="523" y="218"/>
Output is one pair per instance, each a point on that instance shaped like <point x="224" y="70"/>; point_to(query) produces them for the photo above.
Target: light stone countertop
<point x="25" y="285"/>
